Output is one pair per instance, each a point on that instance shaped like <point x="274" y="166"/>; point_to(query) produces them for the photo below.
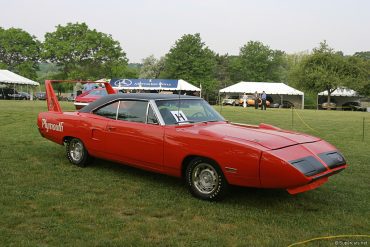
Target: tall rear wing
<point x="52" y="100"/>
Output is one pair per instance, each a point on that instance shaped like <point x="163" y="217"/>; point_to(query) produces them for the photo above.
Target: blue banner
<point x="145" y="83"/>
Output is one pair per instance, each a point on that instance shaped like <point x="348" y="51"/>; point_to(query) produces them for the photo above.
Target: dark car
<point x="25" y="95"/>
<point x="285" y="104"/>
<point x="353" y="106"/>
<point x="40" y="96"/>
<point x="11" y="93"/>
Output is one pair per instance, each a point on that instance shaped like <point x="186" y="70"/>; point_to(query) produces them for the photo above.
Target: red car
<point x="90" y="96"/>
<point x="185" y="137"/>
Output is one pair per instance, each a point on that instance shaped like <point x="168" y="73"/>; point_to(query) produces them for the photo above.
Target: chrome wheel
<point x="76" y="150"/>
<point x="205" y="178"/>
<point x="77" y="153"/>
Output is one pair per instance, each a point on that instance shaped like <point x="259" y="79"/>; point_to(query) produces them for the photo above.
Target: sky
<point x="145" y="27"/>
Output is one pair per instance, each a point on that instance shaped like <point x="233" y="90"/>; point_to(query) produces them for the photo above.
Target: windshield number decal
<point x="179" y="116"/>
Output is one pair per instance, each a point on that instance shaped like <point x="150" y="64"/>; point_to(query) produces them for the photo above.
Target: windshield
<point x="187" y="111"/>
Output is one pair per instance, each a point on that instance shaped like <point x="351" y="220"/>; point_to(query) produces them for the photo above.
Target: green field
<point x="45" y="200"/>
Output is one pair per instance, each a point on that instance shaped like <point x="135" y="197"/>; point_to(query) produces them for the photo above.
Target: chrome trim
<point x="109" y="102"/>
<point x="80" y="103"/>
<point x="231" y="169"/>
<point x="156" y="112"/>
<point x="119" y="103"/>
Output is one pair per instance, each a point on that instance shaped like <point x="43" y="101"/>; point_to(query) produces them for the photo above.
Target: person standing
<point x="245" y="100"/>
<point x="256" y="99"/>
<point x="263" y="98"/>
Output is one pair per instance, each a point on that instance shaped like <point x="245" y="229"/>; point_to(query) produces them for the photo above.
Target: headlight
<point x="332" y="159"/>
<point x="309" y="166"/>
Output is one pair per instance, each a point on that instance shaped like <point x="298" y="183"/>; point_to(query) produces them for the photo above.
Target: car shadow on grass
<point x="254" y="197"/>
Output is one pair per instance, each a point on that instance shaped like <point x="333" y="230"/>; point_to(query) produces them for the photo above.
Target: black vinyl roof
<point x="135" y="96"/>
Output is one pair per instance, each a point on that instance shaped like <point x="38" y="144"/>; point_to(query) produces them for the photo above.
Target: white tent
<point x="342" y="91"/>
<point x="271" y="88"/>
<point x="340" y="96"/>
<point x="8" y="77"/>
<point x="268" y="87"/>
<point x="153" y="84"/>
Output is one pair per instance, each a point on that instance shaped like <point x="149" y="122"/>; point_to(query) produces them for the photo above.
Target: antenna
<point x="178" y="107"/>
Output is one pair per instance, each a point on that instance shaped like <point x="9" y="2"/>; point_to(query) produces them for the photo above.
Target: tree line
<point x="74" y="51"/>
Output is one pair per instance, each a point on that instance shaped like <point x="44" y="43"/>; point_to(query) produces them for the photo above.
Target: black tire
<point x="77" y="153"/>
<point x="205" y="180"/>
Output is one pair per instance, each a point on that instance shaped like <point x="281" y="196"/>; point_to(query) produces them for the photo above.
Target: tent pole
<point x="317" y="102"/>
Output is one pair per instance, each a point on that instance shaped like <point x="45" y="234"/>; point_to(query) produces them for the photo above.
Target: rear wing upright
<point x="52" y="100"/>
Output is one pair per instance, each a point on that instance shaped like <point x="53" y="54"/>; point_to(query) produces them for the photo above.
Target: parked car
<point x="353" y="106"/>
<point x="40" y="95"/>
<point x="183" y="136"/>
<point x="250" y="101"/>
<point x="25" y="95"/>
<point x="324" y="105"/>
<point x="241" y="99"/>
<point x="232" y="100"/>
<point x="285" y="104"/>
<point x="71" y="97"/>
<point x="90" y="96"/>
<point x="330" y="105"/>
<point x="11" y="93"/>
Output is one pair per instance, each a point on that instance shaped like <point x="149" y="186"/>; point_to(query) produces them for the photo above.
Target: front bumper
<point x="316" y="181"/>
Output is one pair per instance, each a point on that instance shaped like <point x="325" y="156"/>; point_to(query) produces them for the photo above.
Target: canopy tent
<point x="340" y="97"/>
<point x="342" y="91"/>
<point x="8" y="77"/>
<point x="268" y="87"/>
<point x="153" y="84"/>
<point x="271" y="88"/>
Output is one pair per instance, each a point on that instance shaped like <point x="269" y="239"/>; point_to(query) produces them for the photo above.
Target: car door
<point x="135" y="136"/>
<point x="97" y="124"/>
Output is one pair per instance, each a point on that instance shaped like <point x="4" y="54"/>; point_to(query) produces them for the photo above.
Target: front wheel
<point x="205" y="180"/>
<point x="77" y="153"/>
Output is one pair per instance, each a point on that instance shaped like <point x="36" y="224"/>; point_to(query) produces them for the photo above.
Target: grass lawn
<point x="45" y="200"/>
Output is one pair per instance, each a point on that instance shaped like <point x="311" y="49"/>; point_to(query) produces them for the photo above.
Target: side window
<point x="152" y="119"/>
<point x="133" y="111"/>
<point x="108" y="111"/>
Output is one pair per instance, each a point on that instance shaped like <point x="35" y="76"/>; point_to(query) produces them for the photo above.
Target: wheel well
<point x="189" y="158"/>
<point x="67" y="138"/>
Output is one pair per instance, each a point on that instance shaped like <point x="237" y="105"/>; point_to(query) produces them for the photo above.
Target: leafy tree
<point x="222" y="70"/>
<point x="190" y="59"/>
<point x="235" y="69"/>
<point x="360" y="67"/>
<point x="84" y="53"/>
<point x="152" y="67"/>
<point x="19" y="52"/>
<point x="326" y="70"/>
<point x="363" y="54"/>
<point x="293" y="61"/>
<point x="260" y="63"/>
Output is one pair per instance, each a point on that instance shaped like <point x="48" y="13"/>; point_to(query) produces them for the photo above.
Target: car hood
<point x="265" y="135"/>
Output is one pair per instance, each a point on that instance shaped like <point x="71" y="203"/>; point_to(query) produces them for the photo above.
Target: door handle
<point x="111" y="128"/>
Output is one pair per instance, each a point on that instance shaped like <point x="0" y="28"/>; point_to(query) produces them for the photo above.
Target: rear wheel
<point x="77" y="153"/>
<point x="205" y="180"/>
